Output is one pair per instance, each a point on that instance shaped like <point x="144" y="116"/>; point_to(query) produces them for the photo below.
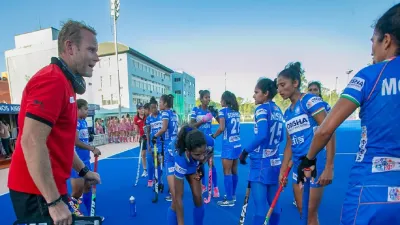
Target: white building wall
<point x="37" y="37"/>
<point x="130" y="75"/>
<point x="105" y="82"/>
<point x="23" y="63"/>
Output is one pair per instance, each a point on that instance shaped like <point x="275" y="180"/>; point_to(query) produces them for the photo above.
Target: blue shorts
<point x="321" y="160"/>
<point x="170" y="167"/>
<point x="75" y="174"/>
<point x="371" y="204"/>
<point x="230" y="153"/>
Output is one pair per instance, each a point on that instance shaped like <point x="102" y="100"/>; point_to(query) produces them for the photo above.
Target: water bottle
<point x="132" y="204"/>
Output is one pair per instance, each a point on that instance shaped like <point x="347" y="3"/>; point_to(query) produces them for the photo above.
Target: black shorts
<point x="143" y="142"/>
<point x="30" y="206"/>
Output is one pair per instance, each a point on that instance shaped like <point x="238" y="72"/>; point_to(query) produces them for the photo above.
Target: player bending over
<point x="192" y="148"/>
<point x="264" y="151"/>
<point x="83" y="150"/>
<point x="155" y="123"/>
<point x="303" y="116"/>
<point x="168" y="131"/>
<point x="374" y="185"/>
<point x="229" y="125"/>
<point x="201" y="118"/>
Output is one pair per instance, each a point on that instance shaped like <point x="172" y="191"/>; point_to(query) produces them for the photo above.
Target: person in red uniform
<point x="44" y="153"/>
<point x="140" y="120"/>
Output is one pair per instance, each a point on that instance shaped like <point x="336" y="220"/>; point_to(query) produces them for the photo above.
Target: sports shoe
<point x="216" y="192"/>
<point x="233" y="198"/>
<point x="74" y="204"/>
<point x="226" y="203"/>
<point x="150" y="183"/>
<point x="144" y="174"/>
<point x="168" y="198"/>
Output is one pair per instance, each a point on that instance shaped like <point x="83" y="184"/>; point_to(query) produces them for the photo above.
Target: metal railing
<point x="100" y="139"/>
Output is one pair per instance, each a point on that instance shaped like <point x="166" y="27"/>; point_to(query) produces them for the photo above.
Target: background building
<point x="140" y="78"/>
<point x="32" y="52"/>
<point x="184" y="88"/>
<point x="4" y="89"/>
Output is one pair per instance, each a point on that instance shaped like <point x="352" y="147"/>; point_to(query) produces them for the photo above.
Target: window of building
<point x="110" y="80"/>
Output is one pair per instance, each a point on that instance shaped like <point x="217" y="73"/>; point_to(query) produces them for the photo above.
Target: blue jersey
<point x="376" y="89"/>
<point x="264" y="149"/>
<point x="83" y="135"/>
<point x="231" y="135"/>
<point x="185" y="164"/>
<point x="172" y="129"/>
<point x="197" y="114"/>
<point x="155" y="124"/>
<point x="300" y="123"/>
<point x="327" y="107"/>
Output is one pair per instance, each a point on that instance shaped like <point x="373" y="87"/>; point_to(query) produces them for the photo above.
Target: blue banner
<point x="93" y="107"/>
<point x="9" y="109"/>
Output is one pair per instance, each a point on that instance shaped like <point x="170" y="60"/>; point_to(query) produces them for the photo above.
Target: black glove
<point x="91" y="137"/>
<point x="154" y="140"/>
<point x="213" y="111"/>
<point x="200" y="171"/>
<point x="144" y="137"/>
<point x="306" y="163"/>
<point x="243" y="157"/>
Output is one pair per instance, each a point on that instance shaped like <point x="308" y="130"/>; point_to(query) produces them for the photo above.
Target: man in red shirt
<point x="44" y="153"/>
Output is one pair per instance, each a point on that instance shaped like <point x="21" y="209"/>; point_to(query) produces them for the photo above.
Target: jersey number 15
<point x="276" y="133"/>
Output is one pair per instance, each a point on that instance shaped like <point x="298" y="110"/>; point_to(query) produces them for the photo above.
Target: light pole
<point x="115" y="13"/>
<point x="225" y="81"/>
<point x="330" y="96"/>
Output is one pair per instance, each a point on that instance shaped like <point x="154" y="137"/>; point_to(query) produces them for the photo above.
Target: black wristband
<point x="53" y="203"/>
<point x="83" y="171"/>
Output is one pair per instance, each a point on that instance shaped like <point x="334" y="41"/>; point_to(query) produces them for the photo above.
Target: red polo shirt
<point x="48" y="98"/>
<point x="140" y="122"/>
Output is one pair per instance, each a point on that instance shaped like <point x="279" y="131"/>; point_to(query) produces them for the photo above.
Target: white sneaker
<point x="144" y="174"/>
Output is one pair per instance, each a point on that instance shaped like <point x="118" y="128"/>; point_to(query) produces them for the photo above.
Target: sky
<point x="245" y="39"/>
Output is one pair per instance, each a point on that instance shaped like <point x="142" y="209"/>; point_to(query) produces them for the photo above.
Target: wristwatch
<point x="83" y="171"/>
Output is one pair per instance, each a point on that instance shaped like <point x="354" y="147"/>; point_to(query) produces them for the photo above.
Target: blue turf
<point x="119" y="172"/>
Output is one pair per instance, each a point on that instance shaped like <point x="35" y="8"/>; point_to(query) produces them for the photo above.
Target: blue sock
<point x="259" y="192"/>
<point x="214" y="176"/>
<point x="150" y="166"/>
<point x="258" y="220"/>
<point x="198" y="215"/>
<point x="171" y="217"/>
<point x="87" y="201"/>
<point x="228" y="186"/>
<point x="159" y="171"/>
<point x="275" y="218"/>
<point x="235" y="180"/>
